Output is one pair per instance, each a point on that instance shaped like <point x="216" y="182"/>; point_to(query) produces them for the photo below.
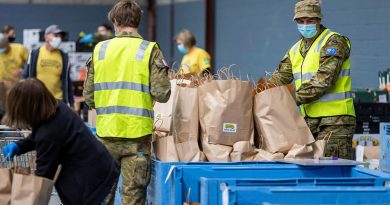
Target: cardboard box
<point x="68" y="46"/>
<point x="384" y="158"/>
<point x="31" y="38"/>
<point x="77" y="62"/>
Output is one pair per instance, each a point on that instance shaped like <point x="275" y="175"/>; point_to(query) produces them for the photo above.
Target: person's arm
<point x="25" y="145"/>
<point x="204" y="62"/>
<point x="27" y="66"/>
<point x="283" y="74"/>
<point x="48" y="155"/>
<point x="332" y="57"/>
<point x="24" y="56"/>
<point x="160" y="86"/>
<point x="88" y="91"/>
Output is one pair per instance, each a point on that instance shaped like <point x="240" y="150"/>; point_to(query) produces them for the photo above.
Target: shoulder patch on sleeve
<point x="331" y="51"/>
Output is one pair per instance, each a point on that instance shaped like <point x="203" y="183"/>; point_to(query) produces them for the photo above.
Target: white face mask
<point x="55" y="42"/>
<point x="103" y="33"/>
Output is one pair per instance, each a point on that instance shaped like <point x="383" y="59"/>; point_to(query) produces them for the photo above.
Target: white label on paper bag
<point x="229" y="127"/>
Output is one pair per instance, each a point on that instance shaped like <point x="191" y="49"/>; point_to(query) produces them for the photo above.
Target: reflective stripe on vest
<point x="125" y="110"/>
<point x="122" y="87"/>
<point x="310" y="75"/>
<point x="338" y="99"/>
<point x="335" y="96"/>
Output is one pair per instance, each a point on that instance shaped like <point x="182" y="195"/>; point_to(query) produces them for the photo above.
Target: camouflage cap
<point x="307" y="8"/>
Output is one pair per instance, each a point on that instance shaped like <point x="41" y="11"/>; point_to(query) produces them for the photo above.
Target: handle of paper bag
<point x="231" y="74"/>
<point x="268" y="75"/>
<point x="221" y="72"/>
<point x="158" y="120"/>
<point x="59" y="168"/>
<point x="267" y="85"/>
<point x="181" y="75"/>
<point x="327" y="137"/>
<point x="250" y="79"/>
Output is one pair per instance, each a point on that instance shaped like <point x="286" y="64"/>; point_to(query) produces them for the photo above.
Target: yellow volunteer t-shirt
<point x="196" y="61"/>
<point x="14" y="59"/>
<point x="49" y="70"/>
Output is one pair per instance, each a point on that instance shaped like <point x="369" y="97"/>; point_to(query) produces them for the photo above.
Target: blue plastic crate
<point x="233" y="195"/>
<point x="385" y="147"/>
<point x="362" y="187"/>
<point x="171" y="182"/>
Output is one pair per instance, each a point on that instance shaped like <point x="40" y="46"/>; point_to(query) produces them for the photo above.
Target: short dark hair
<point x="125" y="13"/>
<point x="29" y="104"/>
<point x="187" y="37"/>
<point x="7" y="28"/>
<point x="108" y="27"/>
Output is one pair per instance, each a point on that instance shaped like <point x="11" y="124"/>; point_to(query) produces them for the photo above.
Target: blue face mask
<point x="182" y="49"/>
<point x="2" y="50"/>
<point x="307" y="31"/>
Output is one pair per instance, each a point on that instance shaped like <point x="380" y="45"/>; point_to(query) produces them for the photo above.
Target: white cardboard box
<point x="77" y="61"/>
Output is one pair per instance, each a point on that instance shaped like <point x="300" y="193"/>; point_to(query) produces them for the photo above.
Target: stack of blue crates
<point x="265" y="183"/>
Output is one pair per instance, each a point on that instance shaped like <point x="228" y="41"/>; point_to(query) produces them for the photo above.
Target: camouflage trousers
<point x="341" y="128"/>
<point x="133" y="156"/>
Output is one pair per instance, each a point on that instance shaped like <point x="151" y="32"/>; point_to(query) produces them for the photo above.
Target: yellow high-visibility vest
<point x="338" y="100"/>
<point x="122" y="97"/>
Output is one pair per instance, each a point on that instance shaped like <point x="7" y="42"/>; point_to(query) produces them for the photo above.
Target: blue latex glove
<point x="10" y="151"/>
<point x="86" y="39"/>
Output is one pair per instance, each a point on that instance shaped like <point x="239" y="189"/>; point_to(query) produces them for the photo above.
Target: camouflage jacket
<point x="326" y="77"/>
<point x="160" y="87"/>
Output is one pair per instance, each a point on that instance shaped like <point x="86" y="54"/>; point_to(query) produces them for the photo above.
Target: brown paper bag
<point x="164" y="148"/>
<point x="262" y="155"/>
<point x="225" y="111"/>
<point x="319" y="146"/>
<point x="5" y="186"/>
<point x="31" y="190"/>
<point x="243" y="151"/>
<point x="216" y="152"/>
<point x="278" y="120"/>
<point x="189" y="151"/>
<point x="300" y="152"/>
<point x="185" y="123"/>
<point x="163" y="111"/>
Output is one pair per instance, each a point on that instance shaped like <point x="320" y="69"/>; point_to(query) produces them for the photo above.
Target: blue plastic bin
<point x="362" y="187"/>
<point x="385" y="147"/>
<point x="171" y="182"/>
<point x="252" y="195"/>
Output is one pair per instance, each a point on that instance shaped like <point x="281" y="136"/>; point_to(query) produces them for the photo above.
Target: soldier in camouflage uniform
<point x="332" y="56"/>
<point x="133" y="154"/>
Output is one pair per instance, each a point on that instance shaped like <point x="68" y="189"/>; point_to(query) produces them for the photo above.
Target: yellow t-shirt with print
<point x="49" y="70"/>
<point x="14" y="59"/>
<point x="196" y="61"/>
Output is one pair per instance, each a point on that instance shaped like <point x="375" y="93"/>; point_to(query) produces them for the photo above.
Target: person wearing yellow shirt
<point x="196" y="61"/>
<point x="50" y="65"/>
<point x="12" y="58"/>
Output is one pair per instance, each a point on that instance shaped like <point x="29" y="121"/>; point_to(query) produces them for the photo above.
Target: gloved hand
<point x="10" y="151"/>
